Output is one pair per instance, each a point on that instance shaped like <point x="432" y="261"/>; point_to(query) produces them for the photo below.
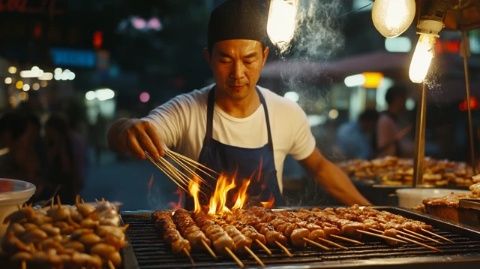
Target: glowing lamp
<point x="281" y="22"/>
<point x="392" y="17"/>
<point x="424" y="51"/>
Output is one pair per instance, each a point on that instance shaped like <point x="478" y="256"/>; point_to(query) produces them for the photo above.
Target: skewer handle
<point x="234" y="257"/>
<point x="262" y="245"/>
<point x="284" y="249"/>
<point x="257" y="259"/>
<point x="209" y="250"/>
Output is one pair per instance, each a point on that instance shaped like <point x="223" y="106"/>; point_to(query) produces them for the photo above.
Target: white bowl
<point x="12" y="194"/>
<point x="412" y="197"/>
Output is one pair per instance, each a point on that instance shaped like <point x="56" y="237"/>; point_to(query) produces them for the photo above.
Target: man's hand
<point x="135" y="136"/>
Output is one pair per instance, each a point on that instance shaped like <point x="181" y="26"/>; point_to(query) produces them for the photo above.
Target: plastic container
<point x="12" y="194"/>
<point x="413" y="197"/>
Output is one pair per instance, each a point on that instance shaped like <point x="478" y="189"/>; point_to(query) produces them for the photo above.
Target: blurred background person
<point x="393" y="137"/>
<point x="66" y="158"/>
<point x="21" y="149"/>
<point x="356" y="139"/>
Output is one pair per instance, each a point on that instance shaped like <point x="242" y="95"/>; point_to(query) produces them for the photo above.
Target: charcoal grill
<point x="150" y="251"/>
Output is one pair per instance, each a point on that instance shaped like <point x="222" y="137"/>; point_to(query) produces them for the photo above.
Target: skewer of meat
<point x="164" y="222"/>
<point x="242" y="242"/>
<point x="388" y="221"/>
<point x="221" y="241"/>
<point x="189" y="229"/>
<point x="291" y="229"/>
<point x="376" y="225"/>
<point x="272" y="237"/>
<point x="317" y="230"/>
<point x="247" y="230"/>
<point x="346" y="227"/>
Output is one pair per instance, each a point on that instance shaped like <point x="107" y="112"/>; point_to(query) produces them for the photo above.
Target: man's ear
<point x="206" y="55"/>
<point x="266" y="51"/>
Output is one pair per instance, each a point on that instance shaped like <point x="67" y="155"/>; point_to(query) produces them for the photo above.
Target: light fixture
<point x="430" y="23"/>
<point x="282" y="22"/>
<point x="392" y="17"/>
<point x="422" y="58"/>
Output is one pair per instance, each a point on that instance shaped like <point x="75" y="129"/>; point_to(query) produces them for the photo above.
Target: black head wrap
<point x="238" y="19"/>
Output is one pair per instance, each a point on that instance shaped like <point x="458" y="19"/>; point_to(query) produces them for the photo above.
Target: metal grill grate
<point x="151" y="252"/>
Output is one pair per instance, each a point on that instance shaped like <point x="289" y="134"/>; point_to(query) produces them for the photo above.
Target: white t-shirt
<point x="182" y="125"/>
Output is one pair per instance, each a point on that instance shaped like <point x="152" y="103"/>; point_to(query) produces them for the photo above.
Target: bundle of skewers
<point x="244" y="231"/>
<point x="84" y="235"/>
<point x="181" y="169"/>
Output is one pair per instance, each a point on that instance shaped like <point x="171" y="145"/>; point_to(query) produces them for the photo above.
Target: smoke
<point x="318" y="37"/>
<point x="318" y="33"/>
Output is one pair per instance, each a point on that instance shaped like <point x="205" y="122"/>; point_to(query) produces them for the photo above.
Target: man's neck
<point x="238" y="108"/>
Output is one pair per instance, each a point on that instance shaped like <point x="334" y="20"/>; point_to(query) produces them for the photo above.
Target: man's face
<point x="236" y="65"/>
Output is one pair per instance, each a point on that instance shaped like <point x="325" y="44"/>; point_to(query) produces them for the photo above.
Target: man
<point x="356" y="139"/>
<point x="392" y="139"/>
<point x="235" y="126"/>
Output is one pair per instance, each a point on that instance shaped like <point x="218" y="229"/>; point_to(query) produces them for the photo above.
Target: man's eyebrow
<point x="251" y="55"/>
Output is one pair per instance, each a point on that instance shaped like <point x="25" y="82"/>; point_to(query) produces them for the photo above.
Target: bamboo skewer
<point x="422" y="236"/>
<point x="381" y="236"/>
<point x="289" y="254"/>
<point x="182" y="161"/>
<point x="410" y="235"/>
<point x="418" y="243"/>
<point x="398" y="231"/>
<point x="254" y="256"/>
<point x="316" y="244"/>
<point x="186" y="159"/>
<point x="264" y="247"/>
<point x="209" y="250"/>
<point x="23" y="264"/>
<point x="185" y="251"/>
<point x="332" y="243"/>
<point x="346" y="239"/>
<point x="110" y="265"/>
<point x="167" y="173"/>
<point x="437" y="235"/>
<point x="234" y="257"/>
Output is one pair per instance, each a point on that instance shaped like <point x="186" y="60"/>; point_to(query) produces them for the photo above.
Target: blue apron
<point x="255" y="163"/>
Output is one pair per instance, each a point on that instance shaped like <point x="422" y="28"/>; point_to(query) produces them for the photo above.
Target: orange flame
<point x="242" y="195"/>
<point x="269" y="203"/>
<point x="194" y="188"/>
<point x="219" y="199"/>
<point x="179" y="203"/>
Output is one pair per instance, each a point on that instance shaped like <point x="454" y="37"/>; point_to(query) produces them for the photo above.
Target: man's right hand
<point x="135" y="136"/>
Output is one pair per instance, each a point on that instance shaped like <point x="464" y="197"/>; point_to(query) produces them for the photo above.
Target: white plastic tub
<point x="12" y="194"/>
<point x="412" y="197"/>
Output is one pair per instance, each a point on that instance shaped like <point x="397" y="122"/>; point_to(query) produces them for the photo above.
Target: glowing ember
<point x="219" y="199"/>
<point x="194" y="188"/>
<point x="269" y="203"/>
<point x="179" y="203"/>
<point x="242" y="195"/>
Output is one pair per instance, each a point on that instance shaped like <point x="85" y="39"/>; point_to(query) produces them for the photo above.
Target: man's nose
<point x="238" y="70"/>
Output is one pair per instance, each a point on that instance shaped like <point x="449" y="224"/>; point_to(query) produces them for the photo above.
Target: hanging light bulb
<point x="428" y="27"/>
<point x="281" y="22"/>
<point x="422" y="58"/>
<point x="392" y="17"/>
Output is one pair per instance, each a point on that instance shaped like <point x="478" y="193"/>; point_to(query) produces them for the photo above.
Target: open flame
<point x="194" y="188"/>
<point x="219" y="199"/>
<point x="242" y="195"/>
